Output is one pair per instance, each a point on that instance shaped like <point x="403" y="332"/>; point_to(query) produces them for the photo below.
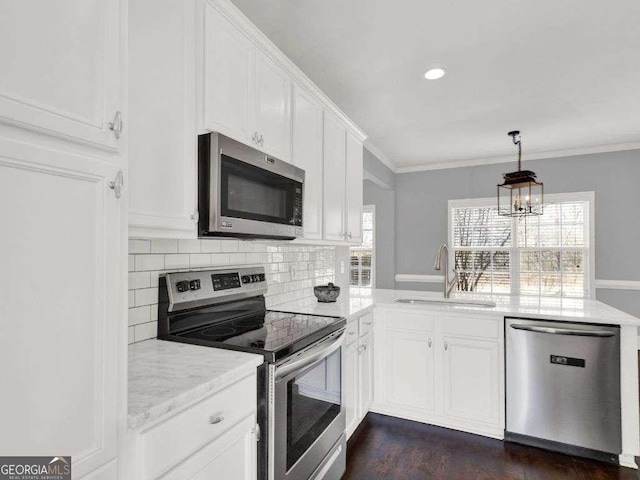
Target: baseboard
<point x="628" y="460"/>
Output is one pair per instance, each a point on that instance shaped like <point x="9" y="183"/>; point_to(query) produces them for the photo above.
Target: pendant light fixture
<point x="520" y="194"/>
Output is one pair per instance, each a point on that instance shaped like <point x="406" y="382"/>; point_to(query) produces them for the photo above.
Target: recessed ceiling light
<point x="434" y="73"/>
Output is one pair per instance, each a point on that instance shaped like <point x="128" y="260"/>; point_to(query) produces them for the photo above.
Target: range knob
<point x="182" y="286"/>
<point x="255" y="277"/>
<point x="246" y="279"/>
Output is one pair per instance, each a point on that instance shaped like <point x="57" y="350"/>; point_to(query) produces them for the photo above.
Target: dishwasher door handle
<point x="564" y="331"/>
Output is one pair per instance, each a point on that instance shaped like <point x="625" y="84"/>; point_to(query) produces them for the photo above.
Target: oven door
<point x="309" y="416"/>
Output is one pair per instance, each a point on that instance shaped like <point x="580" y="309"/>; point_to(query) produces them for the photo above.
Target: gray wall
<point x="421" y="203"/>
<point x="378" y="190"/>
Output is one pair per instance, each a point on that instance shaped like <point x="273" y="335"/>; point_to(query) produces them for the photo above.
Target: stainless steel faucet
<point x="448" y="284"/>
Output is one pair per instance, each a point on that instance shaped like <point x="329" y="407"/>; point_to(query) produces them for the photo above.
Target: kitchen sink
<point x="446" y="301"/>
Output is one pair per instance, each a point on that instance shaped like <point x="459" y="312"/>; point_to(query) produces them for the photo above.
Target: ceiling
<point x="565" y="73"/>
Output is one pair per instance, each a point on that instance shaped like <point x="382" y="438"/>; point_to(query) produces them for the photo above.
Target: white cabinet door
<point x="351" y="385"/>
<point x="229" y="77"/>
<point x="334" y="177"/>
<point x="232" y="456"/>
<point x="471" y="379"/>
<point x="409" y="369"/>
<point x="273" y="108"/>
<point x="365" y="372"/>
<point x="61" y="70"/>
<point x="307" y="154"/>
<point x="353" y="194"/>
<point x="163" y="137"/>
<point x="61" y="301"/>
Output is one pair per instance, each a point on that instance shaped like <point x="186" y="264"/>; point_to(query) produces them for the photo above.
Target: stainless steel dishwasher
<point x="563" y="387"/>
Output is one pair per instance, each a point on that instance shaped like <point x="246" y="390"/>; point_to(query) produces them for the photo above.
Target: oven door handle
<point x="310" y="357"/>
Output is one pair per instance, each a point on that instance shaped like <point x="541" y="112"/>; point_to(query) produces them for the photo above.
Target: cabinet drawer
<point x="481" y="327"/>
<point x="178" y="437"/>
<point x="416" y="321"/>
<point x="351" y="332"/>
<point x="366" y="324"/>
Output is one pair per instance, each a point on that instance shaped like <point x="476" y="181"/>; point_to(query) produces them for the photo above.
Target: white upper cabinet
<point x="229" y="78"/>
<point x="162" y="124"/>
<point x="334" y="177"/>
<point x="272" y="108"/>
<point x="307" y="154"/>
<point x="354" y="172"/>
<point x="61" y="70"/>
<point x="247" y="95"/>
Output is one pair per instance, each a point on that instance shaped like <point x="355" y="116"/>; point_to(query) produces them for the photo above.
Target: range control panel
<point x="189" y="289"/>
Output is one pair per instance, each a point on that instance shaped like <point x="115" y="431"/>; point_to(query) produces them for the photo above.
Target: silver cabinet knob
<point x="352" y="333"/>
<point x="116" y="125"/>
<point x="367" y="323"/>
<point x="429" y="342"/>
<point x="213" y="419"/>
<point x="446" y="345"/>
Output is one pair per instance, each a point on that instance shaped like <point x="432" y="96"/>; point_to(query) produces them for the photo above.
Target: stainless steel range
<point x="300" y="407"/>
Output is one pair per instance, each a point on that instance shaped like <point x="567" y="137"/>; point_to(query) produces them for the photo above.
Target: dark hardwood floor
<point x="391" y="448"/>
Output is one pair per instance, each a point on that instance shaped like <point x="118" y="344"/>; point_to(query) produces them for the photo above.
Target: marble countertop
<point x="164" y="376"/>
<point x="358" y="301"/>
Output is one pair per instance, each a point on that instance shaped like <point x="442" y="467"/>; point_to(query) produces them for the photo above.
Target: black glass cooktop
<point x="273" y="334"/>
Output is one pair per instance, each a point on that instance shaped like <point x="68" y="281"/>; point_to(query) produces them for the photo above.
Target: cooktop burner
<point x="270" y="332"/>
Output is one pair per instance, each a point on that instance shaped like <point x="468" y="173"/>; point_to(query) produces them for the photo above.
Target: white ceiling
<point x="566" y="73"/>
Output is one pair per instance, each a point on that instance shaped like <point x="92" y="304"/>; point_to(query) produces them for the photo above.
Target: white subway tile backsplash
<point x="145" y="331"/>
<point x="189" y="246"/>
<point x="164" y="245"/>
<point x="150" y="259"/>
<point x="146" y="296"/>
<point x="139" y="246"/>
<point x="176" y="261"/>
<point x="149" y="262"/>
<point x="210" y="246"/>
<point x="200" y="260"/>
<point x="139" y="280"/>
<point x="139" y="315"/>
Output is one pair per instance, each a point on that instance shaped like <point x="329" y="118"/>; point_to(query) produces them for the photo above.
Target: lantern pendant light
<point x="520" y="194"/>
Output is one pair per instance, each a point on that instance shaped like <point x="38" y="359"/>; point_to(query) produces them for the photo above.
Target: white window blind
<point x="547" y="255"/>
<point x="362" y="256"/>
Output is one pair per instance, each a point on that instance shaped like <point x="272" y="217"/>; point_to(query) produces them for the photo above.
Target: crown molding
<point x="617" y="147"/>
<point x="247" y="27"/>
<point x="379" y="154"/>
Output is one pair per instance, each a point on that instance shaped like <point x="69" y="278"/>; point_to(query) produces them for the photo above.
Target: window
<point x="362" y="261"/>
<point x="547" y="255"/>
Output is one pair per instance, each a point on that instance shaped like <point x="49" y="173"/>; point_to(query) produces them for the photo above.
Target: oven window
<point x="253" y="193"/>
<point x="314" y="399"/>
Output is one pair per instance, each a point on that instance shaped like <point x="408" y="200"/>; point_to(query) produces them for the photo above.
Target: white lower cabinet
<point x="232" y="456"/>
<point x="406" y="353"/>
<point x="214" y="438"/>
<point x="422" y="372"/>
<point x="470" y="379"/>
<point x="358" y="371"/>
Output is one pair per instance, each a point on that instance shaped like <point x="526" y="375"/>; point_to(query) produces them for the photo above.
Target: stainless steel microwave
<point x="243" y="192"/>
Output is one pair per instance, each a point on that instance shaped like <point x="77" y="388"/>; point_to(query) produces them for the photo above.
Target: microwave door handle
<point x="310" y="357"/>
<point x="564" y="331"/>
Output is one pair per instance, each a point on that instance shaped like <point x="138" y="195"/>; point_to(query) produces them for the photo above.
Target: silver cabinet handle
<point x="117" y="183"/>
<point x="350" y="236"/>
<point x="429" y="342"/>
<point x="213" y="419"/>
<point x="367" y="323"/>
<point x="446" y="345"/>
<point x="564" y="331"/>
<point x="195" y="216"/>
<point x="116" y="125"/>
<point x="364" y="347"/>
<point x="261" y="140"/>
<point x="254" y="138"/>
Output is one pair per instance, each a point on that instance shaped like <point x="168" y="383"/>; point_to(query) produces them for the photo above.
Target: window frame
<point x="359" y="248"/>
<point x="514" y="250"/>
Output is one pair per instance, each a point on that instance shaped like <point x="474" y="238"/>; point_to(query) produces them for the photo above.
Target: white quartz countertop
<point x="164" y="376"/>
<point x="358" y="301"/>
